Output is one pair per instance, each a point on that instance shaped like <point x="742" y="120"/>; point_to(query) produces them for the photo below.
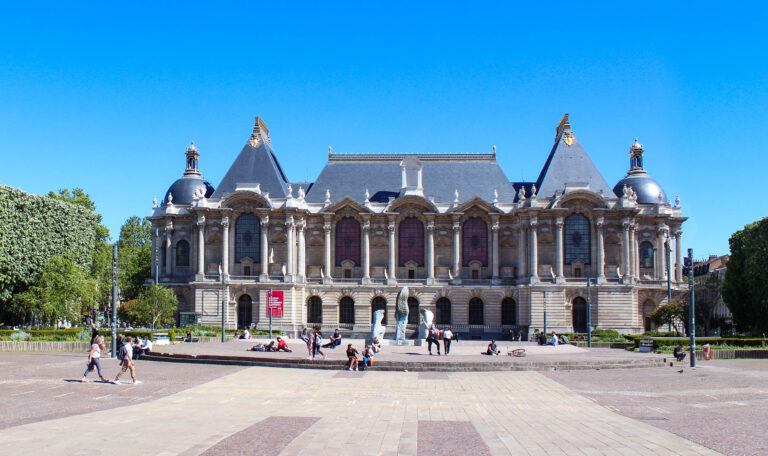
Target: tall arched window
<point x="182" y="253"/>
<point x="646" y="255"/>
<point x="413" y="311"/>
<point x="476" y="311"/>
<point x="508" y="311"/>
<point x="379" y="303"/>
<point x="348" y="241"/>
<point x="579" y="315"/>
<point x="347" y="310"/>
<point x="577" y="239"/>
<point x="247" y="238"/>
<point x="244" y="311"/>
<point x="314" y="310"/>
<point x="474" y="241"/>
<point x="443" y="311"/>
<point x="410" y="245"/>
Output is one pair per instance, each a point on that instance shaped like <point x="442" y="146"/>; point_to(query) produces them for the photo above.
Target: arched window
<point x="577" y="239"/>
<point x="646" y="255"/>
<point x="314" y="310"/>
<point x="244" y="311"/>
<point x="474" y="241"/>
<point x="410" y="245"/>
<point x="443" y="311"/>
<point x="413" y="311"/>
<point x="348" y="241"/>
<point x="508" y="311"/>
<point x="182" y="253"/>
<point x="347" y="310"/>
<point x="247" y="238"/>
<point x="379" y="303"/>
<point x="476" y="311"/>
<point x="579" y="315"/>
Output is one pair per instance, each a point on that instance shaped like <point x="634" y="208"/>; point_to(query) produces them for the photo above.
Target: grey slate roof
<point x="252" y="165"/>
<point x="440" y="178"/>
<point x="569" y="164"/>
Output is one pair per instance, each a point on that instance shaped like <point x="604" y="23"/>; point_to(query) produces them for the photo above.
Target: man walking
<point x="127" y="361"/>
<point x="447" y="337"/>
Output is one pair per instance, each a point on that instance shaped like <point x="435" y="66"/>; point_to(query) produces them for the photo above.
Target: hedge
<point x="33" y="229"/>
<point x="674" y="341"/>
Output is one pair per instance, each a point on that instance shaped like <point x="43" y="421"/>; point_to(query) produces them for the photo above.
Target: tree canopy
<point x="745" y="289"/>
<point x="134" y="257"/>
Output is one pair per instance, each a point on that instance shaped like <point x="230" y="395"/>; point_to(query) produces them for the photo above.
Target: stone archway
<point x="579" y="315"/>
<point x="244" y="311"/>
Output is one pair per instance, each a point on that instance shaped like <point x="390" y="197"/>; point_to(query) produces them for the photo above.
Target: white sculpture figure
<point x="427" y="317"/>
<point x="401" y="314"/>
<point x="377" y="330"/>
<point x="625" y="191"/>
<point x="495" y="195"/>
<point x="301" y="192"/>
<point x="367" y="196"/>
<point x="327" y="196"/>
<point x="521" y="194"/>
<point x="661" y="198"/>
<point x="533" y="191"/>
<point x="258" y="188"/>
<point x="677" y="201"/>
<point x="154" y="202"/>
<point x="170" y="199"/>
<point x="290" y="191"/>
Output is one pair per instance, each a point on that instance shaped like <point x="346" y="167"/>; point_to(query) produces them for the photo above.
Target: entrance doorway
<point x="579" y="315"/>
<point x="244" y="312"/>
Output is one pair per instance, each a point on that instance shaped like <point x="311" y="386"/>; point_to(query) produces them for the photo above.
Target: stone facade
<point x="527" y="254"/>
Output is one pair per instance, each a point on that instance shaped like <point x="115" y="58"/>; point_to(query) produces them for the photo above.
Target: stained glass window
<point x="347" y="310"/>
<point x="182" y="253"/>
<point x="474" y="241"/>
<point x="247" y="238"/>
<point x="348" y="241"/>
<point x="411" y="241"/>
<point x="646" y="255"/>
<point x="577" y="239"/>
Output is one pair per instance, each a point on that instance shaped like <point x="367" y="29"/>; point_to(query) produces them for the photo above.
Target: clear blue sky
<point x="107" y="97"/>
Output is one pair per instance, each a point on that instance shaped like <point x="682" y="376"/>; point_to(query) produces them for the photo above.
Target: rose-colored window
<point x="348" y="241"/>
<point x="411" y="241"/>
<point x="474" y="241"/>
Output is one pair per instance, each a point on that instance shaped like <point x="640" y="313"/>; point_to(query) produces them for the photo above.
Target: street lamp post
<point x="157" y="254"/>
<point x="114" y="301"/>
<point x="589" y="312"/>
<point x="223" y="305"/>
<point x="691" y="309"/>
<point x="545" y="315"/>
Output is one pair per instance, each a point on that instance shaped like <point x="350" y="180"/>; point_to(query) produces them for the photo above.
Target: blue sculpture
<point x="377" y="331"/>
<point x="401" y="314"/>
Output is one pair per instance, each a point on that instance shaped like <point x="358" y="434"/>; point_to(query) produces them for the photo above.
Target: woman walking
<point x="309" y="338"/>
<point x="93" y="359"/>
<point x="318" y="344"/>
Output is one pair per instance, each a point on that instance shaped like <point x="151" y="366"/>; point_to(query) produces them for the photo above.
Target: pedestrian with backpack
<point x="94" y="357"/>
<point x="126" y="360"/>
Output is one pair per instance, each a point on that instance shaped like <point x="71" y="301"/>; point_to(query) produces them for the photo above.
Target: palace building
<point x="485" y="254"/>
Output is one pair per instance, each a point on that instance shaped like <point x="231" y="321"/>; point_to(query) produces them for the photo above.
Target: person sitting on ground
<point x="137" y="347"/>
<point x="335" y="339"/>
<point x="493" y="349"/>
<point x="563" y="339"/>
<point x="237" y="334"/>
<point x="679" y="352"/>
<point x="145" y="347"/>
<point x="367" y="356"/>
<point x="188" y="338"/>
<point x="352" y="355"/>
<point x="282" y="345"/>
<point x="553" y="341"/>
<point x="270" y="347"/>
<point x="376" y="345"/>
<point x="542" y="338"/>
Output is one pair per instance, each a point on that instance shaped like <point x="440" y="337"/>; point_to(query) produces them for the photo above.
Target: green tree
<point x="707" y="291"/>
<point x="62" y="293"/>
<point x="135" y="256"/>
<point x="80" y="198"/>
<point x="745" y="289"/>
<point x="668" y="314"/>
<point x="155" y="305"/>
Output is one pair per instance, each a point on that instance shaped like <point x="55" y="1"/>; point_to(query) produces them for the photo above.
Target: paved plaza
<point x="210" y="409"/>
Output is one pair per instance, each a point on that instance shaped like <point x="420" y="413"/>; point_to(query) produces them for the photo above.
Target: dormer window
<point x="411" y="181"/>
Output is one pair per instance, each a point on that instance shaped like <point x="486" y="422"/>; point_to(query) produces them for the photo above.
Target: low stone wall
<point x="734" y="354"/>
<point x="8" y="346"/>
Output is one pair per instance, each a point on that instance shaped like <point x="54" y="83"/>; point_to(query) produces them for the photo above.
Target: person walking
<point x="127" y="361"/>
<point x="433" y="337"/>
<point x="94" y="357"/>
<point x="309" y="338"/>
<point x="447" y="338"/>
<point x="318" y="344"/>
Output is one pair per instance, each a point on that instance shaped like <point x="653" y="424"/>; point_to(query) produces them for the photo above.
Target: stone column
<point x="495" y="247"/>
<point x="559" y="277"/>
<point x="661" y="255"/>
<point x="456" y="250"/>
<point x="533" y="223"/>
<point x="264" y="224"/>
<point x="637" y="252"/>
<point x="200" y="247"/>
<point x="625" y="246"/>
<point x="632" y="254"/>
<point x="328" y="261"/>
<point x="290" y="261"/>
<point x="392" y="273"/>
<point x="599" y="222"/>
<point x="430" y="252"/>
<point x="155" y="253"/>
<point x="678" y="255"/>
<point x="366" y="228"/>
<point x="225" y="245"/>
<point x="302" y="262"/>
<point x="522" y="271"/>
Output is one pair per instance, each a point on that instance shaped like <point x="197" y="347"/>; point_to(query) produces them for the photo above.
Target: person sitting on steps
<point x="335" y="339"/>
<point x="492" y="349"/>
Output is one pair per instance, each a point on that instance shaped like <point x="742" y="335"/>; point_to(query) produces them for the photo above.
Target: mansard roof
<point x="473" y="175"/>
<point x="568" y="162"/>
<point x="256" y="163"/>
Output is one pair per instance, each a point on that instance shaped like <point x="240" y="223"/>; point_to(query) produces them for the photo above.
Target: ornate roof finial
<point x="290" y="191"/>
<point x="301" y="192"/>
<point x="661" y="198"/>
<point x="330" y="149"/>
<point x="521" y="193"/>
<point x="170" y="199"/>
<point x="636" y="158"/>
<point x="327" y="196"/>
<point x="533" y="191"/>
<point x="495" y="196"/>
<point x="154" y="202"/>
<point x="259" y="129"/>
<point x="456" y="196"/>
<point x="494" y="150"/>
<point x="192" y="157"/>
<point x="563" y="126"/>
<point x="677" y="201"/>
<point x="367" y="197"/>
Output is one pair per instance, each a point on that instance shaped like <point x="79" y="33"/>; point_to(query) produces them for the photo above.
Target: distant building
<point x="715" y="265"/>
<point x="482" y="253"/>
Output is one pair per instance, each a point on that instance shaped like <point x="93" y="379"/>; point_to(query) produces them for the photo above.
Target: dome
<point x="645" y="187"/>
<point x="183" y="189"/>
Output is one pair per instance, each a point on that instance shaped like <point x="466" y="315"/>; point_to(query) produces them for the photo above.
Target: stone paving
<point x="356" y="414"/>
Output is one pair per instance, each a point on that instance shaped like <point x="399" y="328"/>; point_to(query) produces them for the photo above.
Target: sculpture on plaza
<point x="377" y="331"/>
<point x="401" y="314"/>
<point x="427" y="317"/>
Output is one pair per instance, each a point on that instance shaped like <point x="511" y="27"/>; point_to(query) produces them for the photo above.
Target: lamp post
<point x="114" y="301"/>
<point x="223" y="305"/>
<point x="589" y="312"/>
<point x="545" y="315"/>
<point x="691" y="309"/>
<point x="668" y="253"/>
<point x="157" y="254"/>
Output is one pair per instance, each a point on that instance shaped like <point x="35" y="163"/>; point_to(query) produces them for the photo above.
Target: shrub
<point x="172" y="335"/>
<point x="84" y="336"/>
<point x="20" y="336"/>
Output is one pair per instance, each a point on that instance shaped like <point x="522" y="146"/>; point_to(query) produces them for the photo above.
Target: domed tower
<point x="183" y="190"/>
<point x="648" y="190"/>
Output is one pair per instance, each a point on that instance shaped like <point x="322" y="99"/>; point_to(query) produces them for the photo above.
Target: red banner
<point x="275" y="304"/>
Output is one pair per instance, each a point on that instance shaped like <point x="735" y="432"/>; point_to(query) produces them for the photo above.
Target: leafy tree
<point x="707" y="291"/>
<point x="127" y="312"/>
<point x="745" y="289"/>
<point x="668" y="314"/>
<point x="80" y="198"/>
<point x="135" y="256"/>
<point x="155" y="305"/>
